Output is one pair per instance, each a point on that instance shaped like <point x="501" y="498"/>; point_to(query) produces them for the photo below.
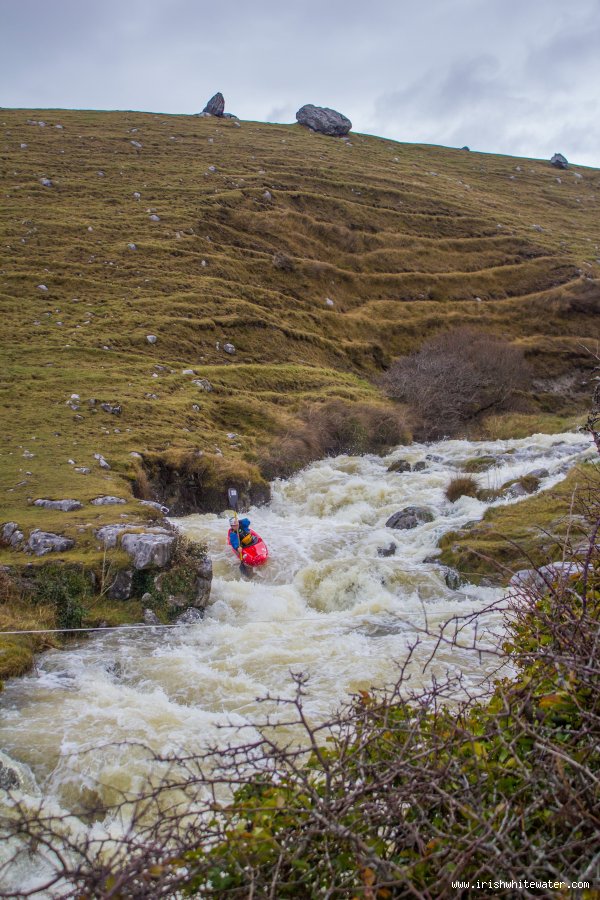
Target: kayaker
<point x="239" y="533"/>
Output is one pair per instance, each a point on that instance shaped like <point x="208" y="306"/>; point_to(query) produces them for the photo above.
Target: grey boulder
<point x="539" y="579"/>
<point x="149" y="550"/>
<point x="154" y="505"/>
<point x="150" y="617"/>
<point x="107" y="501"/>
<point x="410" y="517"/>
<point x="11" y="534"/>
<point x="559" y="161"/>
<point x="190" y="617"/>
<point x="62" y="505"/>
<point x="109" y="534"/>
<point x="400" y="465"/>
<point x="216" y="105"/>
<point x="323" y="120"/>
<point x="204" y="574"/>
<point x="120" y="589"/>
<point x="42" y="542"/>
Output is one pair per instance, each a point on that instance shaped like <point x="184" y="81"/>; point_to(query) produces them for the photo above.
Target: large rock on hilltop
<point x="559" y="161"/>
<point x="324" y="120"/>
<point x="216" y="105"/>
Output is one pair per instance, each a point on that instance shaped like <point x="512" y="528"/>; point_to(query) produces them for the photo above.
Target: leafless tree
<point x="456" y="377"/>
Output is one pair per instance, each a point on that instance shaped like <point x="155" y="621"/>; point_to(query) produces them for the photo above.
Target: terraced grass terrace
<point x="320" y="260"/>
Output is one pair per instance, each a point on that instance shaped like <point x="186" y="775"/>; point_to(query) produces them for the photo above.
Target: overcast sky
<point x="504" y="76"/>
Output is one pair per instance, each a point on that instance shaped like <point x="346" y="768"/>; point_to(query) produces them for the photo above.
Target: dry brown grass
<point x="463" y="486"/>
<point x="400" y="252"/>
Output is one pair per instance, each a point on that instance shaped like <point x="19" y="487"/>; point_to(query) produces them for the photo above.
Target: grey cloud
<point x="444" y="71"/>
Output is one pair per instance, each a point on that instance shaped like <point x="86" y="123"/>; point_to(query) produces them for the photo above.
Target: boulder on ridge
<point x="559" y="161"/>
<point x="216" y="105"/>
<point x="324" y="120"/>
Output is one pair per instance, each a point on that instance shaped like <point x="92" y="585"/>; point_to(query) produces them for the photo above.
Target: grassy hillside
<point x="319" y="259"/>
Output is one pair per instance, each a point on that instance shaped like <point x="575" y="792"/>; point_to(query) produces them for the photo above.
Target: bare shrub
<point x="455" y="378"/>
<point x="335" y="427"/>
<point x="464" y="486"/>
<point x="283" y="262"/>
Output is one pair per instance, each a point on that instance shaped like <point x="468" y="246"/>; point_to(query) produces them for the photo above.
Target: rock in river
<point x="410" y="517"/>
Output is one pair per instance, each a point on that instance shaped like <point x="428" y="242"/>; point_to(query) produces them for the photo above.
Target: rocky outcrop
<point x="190" y="617"/>
<point x="42" y="542"/>
<point x="149" y="549"/>
<point x="107" y="501"/>
<point x="62" y="505"/>
<point x="11" y="534"/>
<point x="164" y="510"/>
<point x="109" y="534"/>
<point x="410" y="517"/>
<point x="216" y="105"/>
<point x="559" y="161"/>
<point x="121" y="586"/>
<point x="323" y="120"/>
<point x="540" y="579"/>
<point x="204" y="575"/>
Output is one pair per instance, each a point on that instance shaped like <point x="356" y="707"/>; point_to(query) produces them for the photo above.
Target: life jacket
<point x="247" y="539"/>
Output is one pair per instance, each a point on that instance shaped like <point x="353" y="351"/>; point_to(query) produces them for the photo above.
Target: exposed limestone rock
<point x="157" y="506"/>
<point x="101" y="461"/>
<point x="109" y="534"/>
<point x="11" y="534"/>
<point x="203" y="582"/>
<point x="42" y="542"/>
<point x="147" y="549"/>
<point x="203" y="383"/>
<point x="114" y="410"/>
<point x="190" y="617"/>
<point x="62" y="505"/>
<point x="150" y="617"/>
<point x="107" y="501"/>
<point x="539" y="579"/>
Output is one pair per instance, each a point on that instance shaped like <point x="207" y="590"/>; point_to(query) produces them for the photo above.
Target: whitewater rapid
<point x="326" y="605"/>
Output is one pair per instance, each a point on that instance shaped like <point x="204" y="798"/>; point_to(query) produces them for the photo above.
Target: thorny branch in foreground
<point x="399" y="794"/>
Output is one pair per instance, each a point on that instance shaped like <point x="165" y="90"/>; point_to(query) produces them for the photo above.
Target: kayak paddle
<point x="232" y="494"/>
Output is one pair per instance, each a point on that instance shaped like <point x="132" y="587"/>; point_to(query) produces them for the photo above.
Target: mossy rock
<point x="479" y="464"/>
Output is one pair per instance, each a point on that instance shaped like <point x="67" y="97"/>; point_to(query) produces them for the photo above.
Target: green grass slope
<point x="403" y="239"/>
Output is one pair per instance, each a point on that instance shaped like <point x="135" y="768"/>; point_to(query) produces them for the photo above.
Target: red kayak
<point x="255" y="554"/>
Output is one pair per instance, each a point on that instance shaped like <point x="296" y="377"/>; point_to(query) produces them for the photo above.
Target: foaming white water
<point x="326" y="605"/>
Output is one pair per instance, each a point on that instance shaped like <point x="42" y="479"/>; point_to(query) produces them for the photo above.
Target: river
<point x="326" y="604"/>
